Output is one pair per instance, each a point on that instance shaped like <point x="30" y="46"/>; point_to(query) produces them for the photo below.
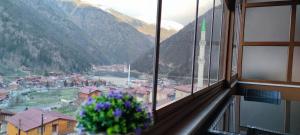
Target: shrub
<point x="115" y="113"/>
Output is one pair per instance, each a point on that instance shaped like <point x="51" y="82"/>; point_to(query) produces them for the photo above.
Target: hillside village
<point x="62" y="94"/>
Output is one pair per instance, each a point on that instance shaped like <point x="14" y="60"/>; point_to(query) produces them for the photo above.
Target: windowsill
<point x="188" y="111"/>
<point x="198" y="117"/>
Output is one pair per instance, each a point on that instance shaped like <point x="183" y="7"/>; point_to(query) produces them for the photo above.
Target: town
<point x="59" y="96"/>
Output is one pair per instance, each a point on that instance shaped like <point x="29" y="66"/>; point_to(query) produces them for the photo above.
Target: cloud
<point x="180" y="11"/>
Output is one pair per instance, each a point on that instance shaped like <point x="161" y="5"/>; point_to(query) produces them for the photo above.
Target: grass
<point x="48" y="98"/>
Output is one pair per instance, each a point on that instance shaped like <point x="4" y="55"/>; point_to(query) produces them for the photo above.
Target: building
<point x="182" y="91"/>
<point x="3" y="94"/>
<point x="4" y="115"/>
<point x="88" y="91"/>
<point x="30" y="122"/>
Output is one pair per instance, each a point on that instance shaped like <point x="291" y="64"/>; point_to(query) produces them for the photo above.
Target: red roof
<point x="89" y="89"/>
<point x="31" y="118"/>
<point x="184" y="88"/>
<point x="141" y="90"/>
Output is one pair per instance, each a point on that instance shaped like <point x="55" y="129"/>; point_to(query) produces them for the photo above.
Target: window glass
<point x="176" y="51"/>
<point x="265" y="63"/>
<point x="253" y="1"/>
<point x="54" y="54"/>
<point x="203" y="44"/>
<point x="236" y="40"/>
<point x="297" y="34"/>
<point x="275" y="28"/>
<point x="296" y="65"/>
<point x="216" y="42"/>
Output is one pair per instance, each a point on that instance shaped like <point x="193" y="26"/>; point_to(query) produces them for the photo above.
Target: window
<point x="69" y="124"/>
<point x="275" y="28"/>
<point x="54" y="128"/>
<point x="205" y="15"/>
<point x="265" y="63"/>
<point x="297" y="34"/>
<point x="176" y="52"/>
<point x="51" y="50"/>
<point x="216" y="42"/>
<point x="236" y="40"/>
<point x="268" y="50"/>
<point x="296" y="65"/>
<point x="39" y="130"/>
<point x="55" y="53"/>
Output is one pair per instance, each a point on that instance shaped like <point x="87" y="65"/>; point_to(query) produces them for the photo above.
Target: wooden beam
<point x="291" y="47"/>
<point x="269" y="43"/>
<point x="242" y="31"/>
<point x="271" y="3"/>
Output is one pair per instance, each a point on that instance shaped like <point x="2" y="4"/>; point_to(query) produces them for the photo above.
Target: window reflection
<point x="205" y="14"/>
<point x="216" y="42"/>
<point x="176" y="52"/>
<point x="236" y="40"/>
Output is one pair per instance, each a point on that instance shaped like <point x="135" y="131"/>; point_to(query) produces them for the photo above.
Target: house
<point x="3" y="94"/>
<point x="29" y="122"/>
<point x="182" y="90"/>
<point x="4" y="115"/>
<point x="88" y="91"/>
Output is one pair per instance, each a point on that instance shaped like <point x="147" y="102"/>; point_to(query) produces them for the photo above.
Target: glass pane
<point x="253" y="1"/>
<point x="203" y="44"/>
<point x="54" y="54"/>
<point x="176" y="51"/>
<point x="216" y="42"/>
<point x="297" y="34"/>
<point x="265" y="63"/>
<point x="275" y="28"/>
<point x="294" y="118"/>
<point x="236" y="40"/>
<point x="296" y="65"/>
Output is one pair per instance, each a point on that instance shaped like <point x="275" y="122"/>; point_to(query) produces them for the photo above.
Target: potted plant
<point x="113" y="113"/>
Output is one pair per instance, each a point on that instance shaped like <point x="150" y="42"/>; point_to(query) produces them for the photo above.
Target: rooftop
<point x="89" y="89"/>
<point x="31" y="118"/>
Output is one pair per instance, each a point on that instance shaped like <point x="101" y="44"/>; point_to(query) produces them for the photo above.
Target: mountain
<point x="176" y="51"/>
<point x="143" y="27"/>
<point x="148" y="29"/>
<point x="119" y="41"/>
<point x="56" y="35"/>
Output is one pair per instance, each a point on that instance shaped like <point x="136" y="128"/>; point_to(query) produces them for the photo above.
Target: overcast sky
<point x="180" y="11"/>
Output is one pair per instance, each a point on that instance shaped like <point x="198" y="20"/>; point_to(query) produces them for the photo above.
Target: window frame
<point x="290" y="44"/>
<point x="224" y="77"/>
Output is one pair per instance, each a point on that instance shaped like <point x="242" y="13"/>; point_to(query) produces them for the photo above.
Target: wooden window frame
<point x="160" y="114"/>
<point x="290" y="44"/>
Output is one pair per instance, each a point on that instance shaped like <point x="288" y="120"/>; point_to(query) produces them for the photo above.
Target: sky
<point x="176" y="12"/>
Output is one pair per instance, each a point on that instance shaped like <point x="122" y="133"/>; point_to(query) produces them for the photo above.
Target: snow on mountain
<point x="171" y="25"/>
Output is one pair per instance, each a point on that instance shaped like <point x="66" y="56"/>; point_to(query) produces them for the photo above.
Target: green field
<point x="44" y="99"/>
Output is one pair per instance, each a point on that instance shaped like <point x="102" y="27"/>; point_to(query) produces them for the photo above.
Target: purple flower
<point x="106" y="105"/>
<point x="127" y="104"/>
<point x="139" y="109"/>
<point x="99" y="106"/>
<point x="89" y="101"/>
<point x="119" y="96"/>
<point x="117" y="113"/>
<point x="82" y="113"/>
<point x="115" y="94"/>
<point x="138" y="131"/>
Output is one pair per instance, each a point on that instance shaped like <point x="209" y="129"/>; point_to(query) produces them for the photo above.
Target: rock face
<point x="56" y="35"/>
<point x="176" y="52"/>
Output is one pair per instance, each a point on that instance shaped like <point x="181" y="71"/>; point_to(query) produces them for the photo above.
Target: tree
<point x="65" y="83"/>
